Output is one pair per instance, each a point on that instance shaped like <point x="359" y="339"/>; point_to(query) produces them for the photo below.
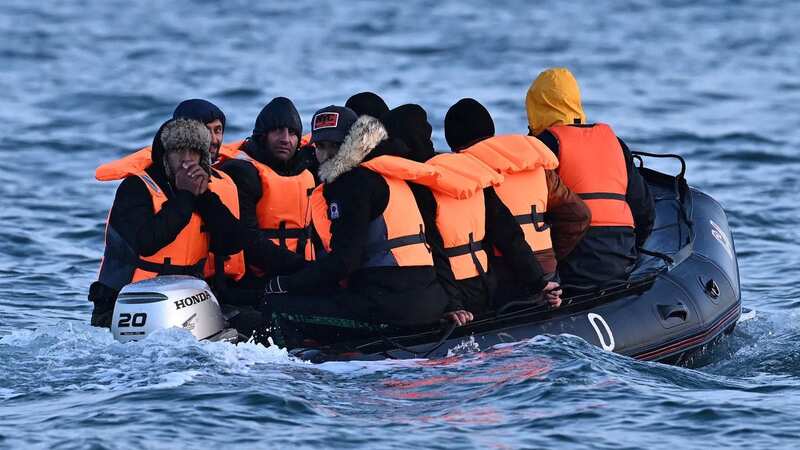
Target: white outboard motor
<point x="169" y="301"/>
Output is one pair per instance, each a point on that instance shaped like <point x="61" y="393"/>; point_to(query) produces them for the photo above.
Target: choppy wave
<point x="86" y="83"/>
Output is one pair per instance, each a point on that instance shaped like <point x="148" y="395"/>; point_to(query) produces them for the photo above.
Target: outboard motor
<point x="169" y="301"/>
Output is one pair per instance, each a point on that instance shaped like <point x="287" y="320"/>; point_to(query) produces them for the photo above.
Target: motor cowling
<point x="164" y="302"/>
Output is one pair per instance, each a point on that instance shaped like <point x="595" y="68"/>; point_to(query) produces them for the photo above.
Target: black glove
<point x="102" y="312"/>
<point x="104" y="299"/>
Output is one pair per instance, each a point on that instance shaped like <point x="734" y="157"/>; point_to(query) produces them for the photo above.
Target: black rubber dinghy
<point x="681" y="299"/>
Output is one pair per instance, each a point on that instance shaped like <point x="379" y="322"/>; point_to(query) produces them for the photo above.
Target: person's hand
<point x="552" y="294"/>
<point x="184" y="181"/>
<point x="203" y="185"/>
<point x="198" y="176"/>
<point x="460" y="317"/>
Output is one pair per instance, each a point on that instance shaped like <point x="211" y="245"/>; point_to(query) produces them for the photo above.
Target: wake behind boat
<point x="683" y="296"/>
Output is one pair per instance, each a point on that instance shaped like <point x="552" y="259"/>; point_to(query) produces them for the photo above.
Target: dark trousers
<point x="606" y="256"/>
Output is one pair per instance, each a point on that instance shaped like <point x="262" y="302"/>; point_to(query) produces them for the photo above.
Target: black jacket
<point x="134" y="227"/>
<point x="259" y="248"/>
<point x="133" y="218"/>
<point x="401" y="295"/>
<point x="606" y="255"/>
<point x="408" y="125"/>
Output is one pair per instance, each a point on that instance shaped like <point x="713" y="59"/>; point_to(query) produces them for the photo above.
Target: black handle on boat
<point x="639" y="154"/>
<point x="678" y="310"/>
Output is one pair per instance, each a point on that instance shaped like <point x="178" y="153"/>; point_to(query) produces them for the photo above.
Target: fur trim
<point x="180" y="135"/>
<point x="363" y="136"/>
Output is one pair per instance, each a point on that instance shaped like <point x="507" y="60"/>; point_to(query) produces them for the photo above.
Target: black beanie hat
<point x="199" y="109"/>
<point x="409" y="124"/>
<point x="278" y="113"/>
<point x="367" y="103"/>
<point x="466" y="123"/>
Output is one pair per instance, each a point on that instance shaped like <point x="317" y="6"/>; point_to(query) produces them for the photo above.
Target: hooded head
<point x="553" y="99"/>
<point x="367" y="103"/>
<point x="278" y="130"/>
<point x="409" y="124"/>
<point x="278" y="113"/>
<point x="180" y="140"/>
<point x="466" y="123"/>
<point x="207" y="113"/>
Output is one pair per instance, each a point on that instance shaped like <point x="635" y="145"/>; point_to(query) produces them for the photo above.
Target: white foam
<point x="747" y="314"/>
<point x="72" y="356"/>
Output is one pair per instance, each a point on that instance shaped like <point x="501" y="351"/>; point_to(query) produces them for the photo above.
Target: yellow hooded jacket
<point x="553" y="99"/>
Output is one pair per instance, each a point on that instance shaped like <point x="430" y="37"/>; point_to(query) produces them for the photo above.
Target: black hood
<point x="278" y="113"/>
<point x="367" y="103"/>
<point x="409" y="124"/>
<point x="199" y="109"/>
<point x="156" y="169"/>
<point x="157" y="153"/>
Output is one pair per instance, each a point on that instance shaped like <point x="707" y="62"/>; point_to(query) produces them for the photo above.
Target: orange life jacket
<point x="593" y="166"/>
<point x="461" y="211"/>
<point x="397" y="237"/>
<point x="222" y="184"/>
<point x="283" y="209"/>
<point x="141" y="160"/>
<point x="185" y="255"/>
<point x="219" y="183"/>
<point x="522" y="160"/>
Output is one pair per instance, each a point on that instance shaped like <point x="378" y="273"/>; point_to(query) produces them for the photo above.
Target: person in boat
<point x="209" y="114"/>
<point x="223" y="274"/>
<point x="274" y="184"/>
<point x="597" y="165"/>
<point x="370" y="238"/>
<point x="166" y="217"/>
<point x="464" y="219"/>
<point x="553" y="218"/>
<point x="368" y="103"/>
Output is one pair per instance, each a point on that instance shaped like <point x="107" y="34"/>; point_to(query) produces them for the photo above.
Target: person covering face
<point x="158" y="212"/>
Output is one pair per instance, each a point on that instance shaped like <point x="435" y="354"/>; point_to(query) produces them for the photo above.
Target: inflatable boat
<point x="682" y="297"/>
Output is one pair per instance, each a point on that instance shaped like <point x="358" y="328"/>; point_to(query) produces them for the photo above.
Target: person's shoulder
<point x="131" y="185"/>
<point x="357" y="174"/>
<point x="357" y="182"/>
<point x="549" y="139"/>
<point x="240" y="170"/>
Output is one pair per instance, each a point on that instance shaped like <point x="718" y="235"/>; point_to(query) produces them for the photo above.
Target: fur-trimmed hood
<point x="365" y="134"/>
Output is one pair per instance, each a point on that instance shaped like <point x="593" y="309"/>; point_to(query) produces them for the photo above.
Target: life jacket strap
<point x="536" y="218"/>
<point x="282" y="233"/>
<point x="602" y="196"/>
<point x="400" y="241"/>
<point x="472" y="248"/>
<point x="167" y="268"/>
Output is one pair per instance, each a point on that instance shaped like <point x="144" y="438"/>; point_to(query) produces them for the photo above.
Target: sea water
<point x="84" y="82"/>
